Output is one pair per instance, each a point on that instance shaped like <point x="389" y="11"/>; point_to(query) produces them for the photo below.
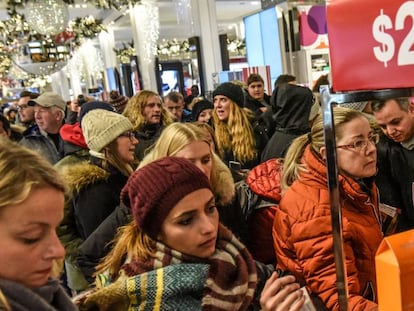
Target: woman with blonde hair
<point x="237" y="140"/>
<point x="302" y="230"/>
<point x="180" y="137"/>
<point x="148" y="118"/>
<point x="31" y="208"/>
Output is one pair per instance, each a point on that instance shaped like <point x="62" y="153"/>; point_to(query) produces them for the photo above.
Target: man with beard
<point x="395" y="178"/>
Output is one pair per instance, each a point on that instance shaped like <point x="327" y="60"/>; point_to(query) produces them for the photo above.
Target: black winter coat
<point x="395" y="179"/>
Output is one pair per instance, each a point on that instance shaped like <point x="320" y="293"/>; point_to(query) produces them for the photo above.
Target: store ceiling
<point x="229" y="14"/>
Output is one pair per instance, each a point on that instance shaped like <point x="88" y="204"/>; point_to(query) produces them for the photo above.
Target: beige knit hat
<point x="101" y="127"/>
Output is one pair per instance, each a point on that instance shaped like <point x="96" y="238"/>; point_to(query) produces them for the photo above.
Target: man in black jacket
<point x="395" y="178"/>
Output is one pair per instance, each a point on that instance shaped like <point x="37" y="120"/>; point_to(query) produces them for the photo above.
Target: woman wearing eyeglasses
<point x="95" y="185"/>
<point x="302" y="230"/>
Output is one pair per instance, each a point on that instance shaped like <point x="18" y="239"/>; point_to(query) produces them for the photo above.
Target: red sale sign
<point x="371" y="44"/>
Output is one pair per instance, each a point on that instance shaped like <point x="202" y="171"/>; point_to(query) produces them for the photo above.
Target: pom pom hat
<point x="118" y="101"/>
<point x="153" y="190"/>
<point x="232" y="91"/>
<point x="101" y="127"/>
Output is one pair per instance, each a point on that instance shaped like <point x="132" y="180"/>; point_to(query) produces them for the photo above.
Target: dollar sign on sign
<point x="385" y="52"/>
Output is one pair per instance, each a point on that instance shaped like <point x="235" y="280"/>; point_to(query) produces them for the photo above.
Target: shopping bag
<point x="395" y="272"/>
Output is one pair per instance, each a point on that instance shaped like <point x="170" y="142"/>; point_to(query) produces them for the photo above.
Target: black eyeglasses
<point x="22" y="107"/>
<point x="129" y="134"/>
<point x="361" y="144"/>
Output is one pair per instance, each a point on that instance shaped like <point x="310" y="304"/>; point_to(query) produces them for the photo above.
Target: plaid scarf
<point x="171" y="280"/>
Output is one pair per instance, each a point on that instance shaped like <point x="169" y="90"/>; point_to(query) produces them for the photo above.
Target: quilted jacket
<point x="264" y="180"/>
<point x="303" y="240"/>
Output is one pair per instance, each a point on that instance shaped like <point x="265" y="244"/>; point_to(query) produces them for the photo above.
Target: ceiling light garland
<point x="179" y="48"/>
<point x="47" y="17"/>
<point x="15" y="34"/>
<point x="13" y="5"/>
<point x="124" y="54"/>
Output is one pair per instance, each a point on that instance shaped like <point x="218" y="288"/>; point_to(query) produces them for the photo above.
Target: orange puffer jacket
<point x="303" y="239"/>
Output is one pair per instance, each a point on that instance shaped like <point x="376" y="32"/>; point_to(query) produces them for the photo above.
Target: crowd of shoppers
<point x="224" y="199"/>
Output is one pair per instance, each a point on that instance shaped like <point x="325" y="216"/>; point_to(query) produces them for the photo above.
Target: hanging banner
<point x="371" y="44"/>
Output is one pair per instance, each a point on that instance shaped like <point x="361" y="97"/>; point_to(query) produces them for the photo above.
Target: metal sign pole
<point x="336" y="214"/>
<point x="328" y="99"/>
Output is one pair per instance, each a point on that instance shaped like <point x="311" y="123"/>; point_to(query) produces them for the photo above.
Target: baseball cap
<point x="49" y="99"/>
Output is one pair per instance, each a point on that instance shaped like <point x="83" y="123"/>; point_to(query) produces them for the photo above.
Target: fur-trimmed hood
<point x="222" y="182"/>
<point x="82" y="174"/>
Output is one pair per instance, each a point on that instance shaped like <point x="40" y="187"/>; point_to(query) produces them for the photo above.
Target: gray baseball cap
<point x="49" y="99"/>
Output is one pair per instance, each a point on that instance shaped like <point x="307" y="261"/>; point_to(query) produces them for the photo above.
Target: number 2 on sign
<point x="385" y="51"/>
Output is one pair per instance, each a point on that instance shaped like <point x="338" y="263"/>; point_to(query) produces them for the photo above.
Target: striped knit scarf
<point x="231" y="279"/>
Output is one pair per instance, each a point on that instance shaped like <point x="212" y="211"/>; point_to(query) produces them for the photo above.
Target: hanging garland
<point x="124" y="54"/>
<point x="86" y="27"/>
<point x="173" y="47"/>
<point x="13" y="5"/>
<point x="236" y="47"/>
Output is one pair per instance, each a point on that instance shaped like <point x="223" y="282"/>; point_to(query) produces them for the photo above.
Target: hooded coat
<point x="303" y="240"/>
<point x="291" y="107"/>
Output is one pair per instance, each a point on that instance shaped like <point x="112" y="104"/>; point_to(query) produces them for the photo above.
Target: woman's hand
<point x="281" y="294"/>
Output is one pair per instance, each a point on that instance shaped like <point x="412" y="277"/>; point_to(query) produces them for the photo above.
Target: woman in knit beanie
<point x="188" y="141"/>
<point x="236" y="137"/>
<point x="95" y="185"/>
<point x="172" y="200"/>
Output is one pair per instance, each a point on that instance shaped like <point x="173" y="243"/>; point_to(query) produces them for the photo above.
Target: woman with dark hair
<point x="95" y="185"/>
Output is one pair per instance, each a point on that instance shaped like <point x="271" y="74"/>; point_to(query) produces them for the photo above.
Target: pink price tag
<point x="371" y="44"/>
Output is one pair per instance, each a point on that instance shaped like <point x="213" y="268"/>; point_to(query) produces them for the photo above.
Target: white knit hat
<point x="101" y="127"/>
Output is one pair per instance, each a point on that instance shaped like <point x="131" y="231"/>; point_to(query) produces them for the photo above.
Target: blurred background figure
<point x="256" y="98"/>
<point x="174" y="104"/>
<point x="118" y="101"/>
<point x="202" y="111"/>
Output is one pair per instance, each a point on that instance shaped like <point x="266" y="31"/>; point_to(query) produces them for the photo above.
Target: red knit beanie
<point x="153" y="190"/>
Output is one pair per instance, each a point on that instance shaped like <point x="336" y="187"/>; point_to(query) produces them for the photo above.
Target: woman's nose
<point x="55" y="249"/>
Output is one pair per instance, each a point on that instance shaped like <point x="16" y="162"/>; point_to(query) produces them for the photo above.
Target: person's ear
<point x="411" y="108"/>
<point x="322" y="152"/>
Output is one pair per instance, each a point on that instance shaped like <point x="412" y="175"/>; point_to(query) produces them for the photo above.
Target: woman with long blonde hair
<point x="148" y="118"/>
<point x="236" y="137"/>
<point x="31" y="208"/>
